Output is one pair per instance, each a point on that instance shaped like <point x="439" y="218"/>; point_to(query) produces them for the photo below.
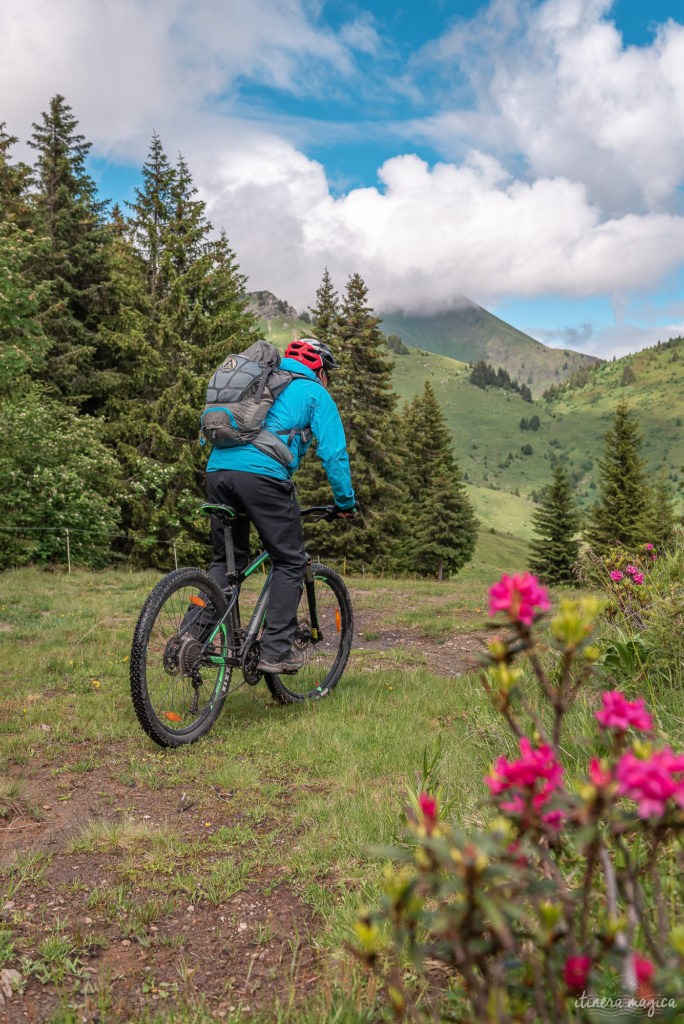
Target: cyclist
<point x="258" y="485"/>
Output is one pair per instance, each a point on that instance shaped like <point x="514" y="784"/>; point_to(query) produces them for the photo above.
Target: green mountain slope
<point x="506" y="466"/>
<point x="470" y="333"/>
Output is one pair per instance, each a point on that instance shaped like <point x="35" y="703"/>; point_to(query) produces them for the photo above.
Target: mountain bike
<point x="189" y="639"/>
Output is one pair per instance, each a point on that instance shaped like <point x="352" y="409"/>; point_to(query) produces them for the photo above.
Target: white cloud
<point x="432" y="234"/>
<point x="554" y="83"/>
<point x="561" y="174"/>
<point x="130" y="67"/>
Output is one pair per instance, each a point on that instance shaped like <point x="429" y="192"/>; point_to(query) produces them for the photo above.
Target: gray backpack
<point x="239" y="395"/>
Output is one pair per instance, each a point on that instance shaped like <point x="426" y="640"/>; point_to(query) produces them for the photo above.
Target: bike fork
<point x="310" y="587"/>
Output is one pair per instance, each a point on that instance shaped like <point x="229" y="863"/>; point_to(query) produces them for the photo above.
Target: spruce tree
<point x="660" y="525"/>
<point x="22" y="340"/>
<point x="366" y="399"/>
<point x="442" y="526"/>
<point x="620" y="514"/>
<point x="187" y="305"/>
<point x="325" y="314"/>
<point x="74" y="264"/>
<point x="554" y="551"/>
<point x="312" y="484"/>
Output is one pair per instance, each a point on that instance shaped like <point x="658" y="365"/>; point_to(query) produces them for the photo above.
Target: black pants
<point x="273" y="508"/>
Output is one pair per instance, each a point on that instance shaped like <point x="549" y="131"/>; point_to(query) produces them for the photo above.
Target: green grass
<point x="273" y="797"/>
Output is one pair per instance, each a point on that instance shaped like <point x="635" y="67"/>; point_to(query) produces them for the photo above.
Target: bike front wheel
<point x="178" y="681"/>
<point x="325" y="643"/>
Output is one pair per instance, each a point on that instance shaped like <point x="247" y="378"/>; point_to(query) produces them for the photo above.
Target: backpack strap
<point x="263" y="380"/>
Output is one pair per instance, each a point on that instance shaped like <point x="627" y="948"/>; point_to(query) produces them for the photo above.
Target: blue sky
<point x="528" y="154"/>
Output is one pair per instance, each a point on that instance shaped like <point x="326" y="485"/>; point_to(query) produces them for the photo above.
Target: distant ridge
<point x="470" y="333"/>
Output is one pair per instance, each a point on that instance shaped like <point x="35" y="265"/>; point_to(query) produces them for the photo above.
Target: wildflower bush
<point x="644" y="612"/>
<point x="569" y="896"/>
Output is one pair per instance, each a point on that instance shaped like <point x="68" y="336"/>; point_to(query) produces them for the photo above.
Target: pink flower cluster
<point x="651" y="781"/>
<point x="632" y="572"/>
<point x="619" y="713"/>
<point x="519" y="596"/>
<point x="529" y="783"/>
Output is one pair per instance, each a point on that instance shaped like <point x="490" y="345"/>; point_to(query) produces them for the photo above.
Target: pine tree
<point x="75" y="263"/>
<point x="620" y="514"/>
<point x="442" y="526"/>
<point x="661" y="518"/>
<point x="326" y="313"/>
<point x="366" y="399"/>
<point x="312" y="484"/>
<point x="22" y="340"/>
<point x="187" y="305"/>
<point x="362" y="389"/>
<point x="554" y="551"/>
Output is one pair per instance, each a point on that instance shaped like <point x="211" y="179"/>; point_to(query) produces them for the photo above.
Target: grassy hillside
<point x="652" y="382"/>
<point x="494" y="452"/>
<point x="470" y="333"/>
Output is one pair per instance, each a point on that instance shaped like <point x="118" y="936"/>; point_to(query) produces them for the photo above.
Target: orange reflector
<point x="172" y="716"/>
<point x="338" y="620"/>
<point x="198" y="601"/>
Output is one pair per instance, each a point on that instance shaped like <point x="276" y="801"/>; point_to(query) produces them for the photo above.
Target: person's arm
<point x="331" y="446"/>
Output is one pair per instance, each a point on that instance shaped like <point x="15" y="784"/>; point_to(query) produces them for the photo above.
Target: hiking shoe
<point x="290" y="662"/>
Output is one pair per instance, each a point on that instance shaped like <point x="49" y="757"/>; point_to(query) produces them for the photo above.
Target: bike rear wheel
<point x="177" y="684"/>
<point x="325" y="657"/>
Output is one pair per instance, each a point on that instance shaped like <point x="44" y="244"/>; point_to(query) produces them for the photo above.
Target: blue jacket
<point x="303" y="404"/>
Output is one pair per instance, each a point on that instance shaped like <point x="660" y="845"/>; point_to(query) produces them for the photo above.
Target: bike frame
<point x="242" y="640"/>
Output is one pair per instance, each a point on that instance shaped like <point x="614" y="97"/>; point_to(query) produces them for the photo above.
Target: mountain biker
<point x="259" y="486"/>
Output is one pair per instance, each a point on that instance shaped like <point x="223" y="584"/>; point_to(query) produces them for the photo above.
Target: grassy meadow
<point x="222" y="881"/>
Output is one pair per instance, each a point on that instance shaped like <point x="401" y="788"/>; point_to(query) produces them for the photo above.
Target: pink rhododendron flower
<point x="555" y="819"/>
<point x="619" y="713"/>
<point x="652" y="781"/>
<point x="599" y="775"/>
<point x="576" y="973"/>
<point x="638" y="578"/>
<point x="616" y="575"/>
<point x="519" y="596"/>
<point x="528" y="783"/>
<point x="649" y="547"/>
<point x="428" y="806"/>
<point x="643" y="969"/>
<point x="631" y="569"/>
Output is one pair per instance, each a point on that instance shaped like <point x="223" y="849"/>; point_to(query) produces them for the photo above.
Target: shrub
<point x="568" y="897"/>
<point x="645" y="611"/>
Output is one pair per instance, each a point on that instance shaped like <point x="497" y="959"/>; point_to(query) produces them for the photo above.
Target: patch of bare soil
<point x="452" y="657"/>
<point x="251" y="950"/>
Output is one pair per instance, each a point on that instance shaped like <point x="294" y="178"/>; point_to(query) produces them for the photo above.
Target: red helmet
<point x="313" y="353"/>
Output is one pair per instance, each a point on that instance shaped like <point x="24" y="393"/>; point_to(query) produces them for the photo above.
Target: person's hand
<point x="347" y="513"/>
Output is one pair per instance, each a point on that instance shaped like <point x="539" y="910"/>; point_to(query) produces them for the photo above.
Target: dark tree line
<point x="484" y="375"/>
<point x="111" y="322"/>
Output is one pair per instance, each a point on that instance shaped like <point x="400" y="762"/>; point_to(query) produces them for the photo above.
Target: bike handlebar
<point x="327" y="512"/>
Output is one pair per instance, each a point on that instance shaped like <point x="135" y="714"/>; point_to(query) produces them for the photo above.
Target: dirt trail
<point x="250" y="950"/>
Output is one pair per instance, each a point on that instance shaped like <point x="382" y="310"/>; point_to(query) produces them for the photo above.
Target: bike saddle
<point x="226" y="513"/>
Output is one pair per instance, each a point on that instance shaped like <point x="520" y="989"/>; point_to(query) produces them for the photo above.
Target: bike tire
<point x="166" y="653"/>
<point x="324" y="660"/>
